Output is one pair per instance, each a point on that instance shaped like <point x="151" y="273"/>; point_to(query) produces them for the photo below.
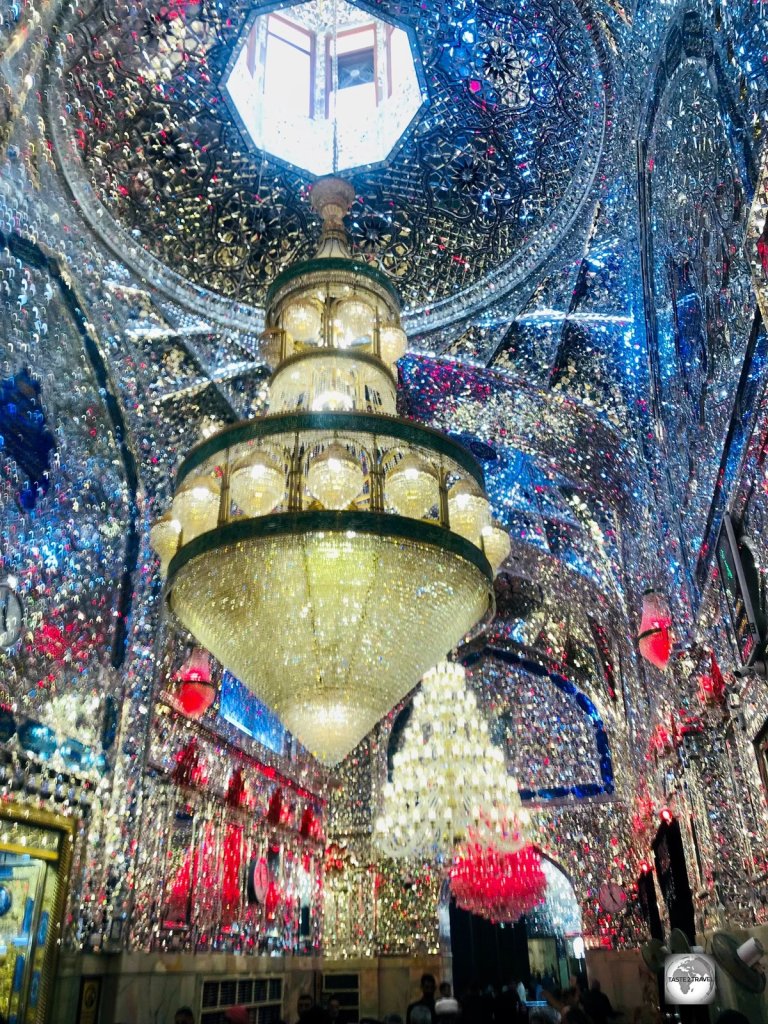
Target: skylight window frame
<point x="242" y="85"/>
<point x="355" y="30"/>
<point x="310" y="53"/>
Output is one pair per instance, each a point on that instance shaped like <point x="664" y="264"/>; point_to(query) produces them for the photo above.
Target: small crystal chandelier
<point x="329" y="553"/>
<point x="448" y="777"/>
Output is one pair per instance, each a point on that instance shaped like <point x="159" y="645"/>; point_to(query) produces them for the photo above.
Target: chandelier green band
<point x="330" y="264"/>
<point x="379" y="524"/>
<point x="372" y="424"/>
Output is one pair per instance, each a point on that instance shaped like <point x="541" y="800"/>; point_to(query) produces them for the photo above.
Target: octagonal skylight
<point x="324" y="86"/>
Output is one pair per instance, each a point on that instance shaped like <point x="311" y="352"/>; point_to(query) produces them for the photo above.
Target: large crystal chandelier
<point x="448" y="778"/>
<point x="328" y="553"/>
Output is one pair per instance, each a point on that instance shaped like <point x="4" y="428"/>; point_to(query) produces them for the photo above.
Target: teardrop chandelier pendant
<point x="328" y="553"/>
<point x="654" y="638"/>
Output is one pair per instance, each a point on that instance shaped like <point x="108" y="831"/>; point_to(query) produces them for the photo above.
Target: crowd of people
<point x="516" y="1003"/>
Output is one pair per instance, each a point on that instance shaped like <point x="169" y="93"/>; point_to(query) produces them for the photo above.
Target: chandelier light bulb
<point x="303" y="321"/>
<point x="196" y="507"/>
<point x="392" y="343"/>
<point x="468" y="513"/>
<point x="496" y="545"/>
<point x="354" y="323"/>
<point x="412" y="488"/>
<point x="164" y="538"/>
<point x="257" y="485"/>
<point x="335" y="477"/>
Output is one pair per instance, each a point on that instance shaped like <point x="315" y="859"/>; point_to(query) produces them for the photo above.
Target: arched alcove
<point x="552" y="734"/>
<point x="501" y="954"/>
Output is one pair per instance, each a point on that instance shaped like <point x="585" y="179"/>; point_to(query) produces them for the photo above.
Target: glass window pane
<point x="287" y="77"/>
<point x="355" y="103"/>
<point x="355" y="68"/>
<point x="364" y="39"/>
<point x="290" y="33"/>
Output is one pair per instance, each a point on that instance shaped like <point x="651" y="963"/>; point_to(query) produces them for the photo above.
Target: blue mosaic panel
<point x="239" y="706"/>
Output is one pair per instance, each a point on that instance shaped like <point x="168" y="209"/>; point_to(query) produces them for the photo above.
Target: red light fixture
<point x="496" y="884"/>
<point x="654" y="638"/>
<point x="195" y="689"/>
<point x="712" y="684"/>
<point x="666" y="816"/>
<point x="645" y="867"/>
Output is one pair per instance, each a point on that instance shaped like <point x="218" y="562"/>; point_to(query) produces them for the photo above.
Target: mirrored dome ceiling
<point x="479" y="188"/>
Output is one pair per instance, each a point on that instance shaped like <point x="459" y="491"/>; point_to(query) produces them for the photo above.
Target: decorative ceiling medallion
<point x="485" y="181"/>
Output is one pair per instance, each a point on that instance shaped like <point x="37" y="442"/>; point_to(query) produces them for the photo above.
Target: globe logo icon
<point x="689" y="979"/>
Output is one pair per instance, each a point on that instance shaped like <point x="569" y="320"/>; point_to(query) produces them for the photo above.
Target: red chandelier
<point x="497" y="884"/>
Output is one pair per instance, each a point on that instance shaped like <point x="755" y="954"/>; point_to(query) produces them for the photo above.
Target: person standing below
<point x="446" y="1007"/>
<point x="184" y="1015"/>
<point x="303" y="1005"/>
<point x="508" y="1004"/>
<point x="568" y="1004"/>
<point x="308" y="1011"/>
<point x="423" y="1010"/>
<point x="522" y="991"/>
<point x="597" y="1004"/>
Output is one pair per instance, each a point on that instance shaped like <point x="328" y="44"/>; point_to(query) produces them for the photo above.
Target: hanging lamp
<point x="195" y="689"/>
<point x="497" y="884"/>
<point x="285" y="555"/>
<point x="448" y="777"/>
<point x="654" y="639"/>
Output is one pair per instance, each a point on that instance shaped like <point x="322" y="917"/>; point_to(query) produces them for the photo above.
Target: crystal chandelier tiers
<point x="448" y="778"/>
<point x="328" y="553"/>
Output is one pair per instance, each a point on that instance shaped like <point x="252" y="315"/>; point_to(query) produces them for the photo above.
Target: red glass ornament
<point x="231" y="882"/>
<point x="275" y="809"/>
<point x="654" y="639"/>
<point x="188" y="771"/>
<point x="237" y="791"/>
<point x="273" y="898"/>
<point x="310" y="827"/>
<point x="712" y="685"/>
<point x="195" y="690"/>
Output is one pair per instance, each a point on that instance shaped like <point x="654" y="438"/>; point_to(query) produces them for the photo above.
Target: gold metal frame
<point x="67" y="827"/>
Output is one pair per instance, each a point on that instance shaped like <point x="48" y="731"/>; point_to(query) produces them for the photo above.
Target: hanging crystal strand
<point x="335" y="86"/>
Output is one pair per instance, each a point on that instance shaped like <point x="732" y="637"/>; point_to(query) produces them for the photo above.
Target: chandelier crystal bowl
<point x="314" y="551"/>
